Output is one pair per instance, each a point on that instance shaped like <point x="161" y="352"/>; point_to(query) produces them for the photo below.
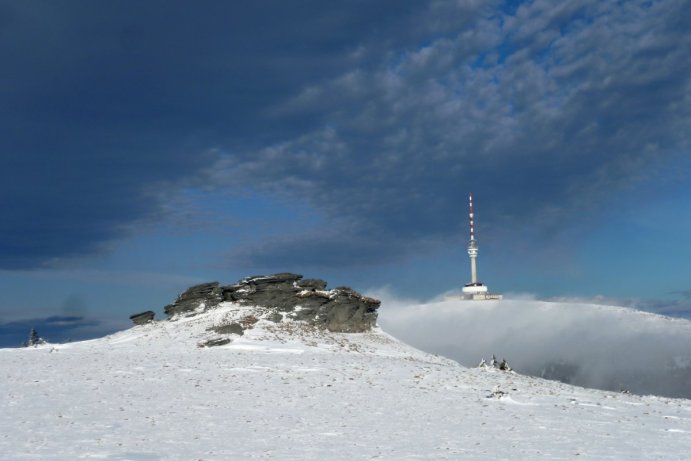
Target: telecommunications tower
<point x="475" y="290"/>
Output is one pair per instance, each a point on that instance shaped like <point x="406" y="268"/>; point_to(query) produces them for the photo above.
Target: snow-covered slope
<point x="286" y="391"/>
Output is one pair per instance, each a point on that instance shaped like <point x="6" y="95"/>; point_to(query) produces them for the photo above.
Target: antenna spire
<point x="472" y="244"/>
<point x="472" y="216"/>
<point x="474" y="289"/>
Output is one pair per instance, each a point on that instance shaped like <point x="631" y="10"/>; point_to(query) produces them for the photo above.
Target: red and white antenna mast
<point x="471" y="215"/>
<point x="475" y="290"/>
<point x="472" y="244"/>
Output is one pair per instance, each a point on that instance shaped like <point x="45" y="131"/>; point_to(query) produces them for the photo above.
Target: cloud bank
<point x="588" y="345"/>
<point x="380" y="115"/>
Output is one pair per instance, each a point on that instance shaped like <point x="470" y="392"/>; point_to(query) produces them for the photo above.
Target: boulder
<point x="214" y="342"/>
<point x="283" y="277"/>
<point x="348" y="311"/>
<point x="199" y="297"/>
<point x="275" y="317"/>
<point x="142" y="318"/>
<point x="232" y="328"/>
<point x="312" y="284"/>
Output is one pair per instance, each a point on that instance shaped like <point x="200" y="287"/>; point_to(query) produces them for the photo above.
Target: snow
<point x="286" y="391"/>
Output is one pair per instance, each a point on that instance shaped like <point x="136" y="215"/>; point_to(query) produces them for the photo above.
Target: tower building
<point x="475" y="290"/>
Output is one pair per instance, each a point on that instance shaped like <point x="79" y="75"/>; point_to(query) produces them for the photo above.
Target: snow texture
<point x="288" y="391"/>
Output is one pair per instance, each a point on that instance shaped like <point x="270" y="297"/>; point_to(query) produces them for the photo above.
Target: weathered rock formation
<point x="214" y="342"/>
<point x="229" y="329"/>
<point x="142" y="318"/>
<point x="199" y="297"/>
<point x="341" y="309"/>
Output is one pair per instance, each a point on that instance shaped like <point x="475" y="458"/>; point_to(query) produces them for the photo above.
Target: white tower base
<point x="478" y="292"/>
<point x="474" y="288"/>
<point x="483" y="297"/>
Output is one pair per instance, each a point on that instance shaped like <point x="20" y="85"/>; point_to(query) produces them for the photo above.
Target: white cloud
<point x="585" y="344"/>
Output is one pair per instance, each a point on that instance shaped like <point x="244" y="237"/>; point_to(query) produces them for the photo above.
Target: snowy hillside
<point x="288" y="391"/>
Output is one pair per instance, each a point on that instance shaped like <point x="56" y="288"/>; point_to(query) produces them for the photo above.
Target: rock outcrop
<point x="229" y="329"/>
<point x="290" y="296"/>
<point x="199" y="297"/>
<point x="142" y="318"/>
<point x="214" y="342"/>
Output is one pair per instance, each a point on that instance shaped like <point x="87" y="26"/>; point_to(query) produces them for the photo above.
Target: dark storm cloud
<point x="543" y="113"/>
<point x="309" y="251"/>
<point x="379" y="114"/>
<point x="109" y="109"/>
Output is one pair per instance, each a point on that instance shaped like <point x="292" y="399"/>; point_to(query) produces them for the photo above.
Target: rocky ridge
<point x="284" y="296"/>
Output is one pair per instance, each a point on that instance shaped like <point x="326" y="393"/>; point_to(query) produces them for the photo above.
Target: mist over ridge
<point x="589" y="345"/>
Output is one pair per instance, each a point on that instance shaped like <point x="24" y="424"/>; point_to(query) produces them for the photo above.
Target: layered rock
<point x="215" y="342"/>
<point x="143" y="317"/>
<point x="197" y="298"/>
<point x="340" y="310"/>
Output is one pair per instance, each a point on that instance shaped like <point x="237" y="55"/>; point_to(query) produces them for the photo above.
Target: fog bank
<point x="589" y="345"/>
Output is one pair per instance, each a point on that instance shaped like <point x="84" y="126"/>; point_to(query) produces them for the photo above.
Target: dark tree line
<point x="34" y="339"/>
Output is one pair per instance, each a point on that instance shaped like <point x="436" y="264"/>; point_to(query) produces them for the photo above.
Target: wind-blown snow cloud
<point x="589" y="345"/>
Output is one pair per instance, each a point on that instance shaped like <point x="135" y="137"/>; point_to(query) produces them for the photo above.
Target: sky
<point x="149" y="146"/>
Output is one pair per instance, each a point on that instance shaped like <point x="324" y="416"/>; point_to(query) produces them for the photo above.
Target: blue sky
<point x="147" y="146"/>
